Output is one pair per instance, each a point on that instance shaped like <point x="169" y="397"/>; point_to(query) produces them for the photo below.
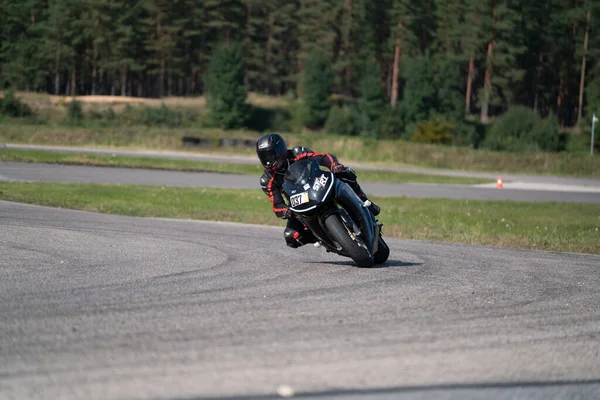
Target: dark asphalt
<point x="101" y="307"/>
<point x="67" y="173"/>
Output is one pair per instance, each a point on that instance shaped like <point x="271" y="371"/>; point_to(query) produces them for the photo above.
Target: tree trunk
<point x="67" y="85"/>
<point x="94" y="68"/>
<point x="425" y="26"/>
<point x="169" y="84"/>
<point x="57" y="72"/>
<point x="101" y="81"/>
<point x="582" y="80"/>
<point x="248" y="38"/>
<point x="74" y="79"/>
<point x="538" y="77"/>
<point x="269" y="55"/>
<point x="487" y="85"/>
<point x="161" y="51"/>
<point x="123" y="79"/>
<point x="560" y="101"/>
<point x="114" y="83"/>
<point x="346" y="46"/>
<point x="469" y="84"/>
<point x="193" y="82"/>
<point x="161" y="79"/>
<point x="388" y="81"/>
<point x="394" y="94"/>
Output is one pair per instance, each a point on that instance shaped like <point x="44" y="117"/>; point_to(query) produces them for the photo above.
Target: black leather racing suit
<point x="296" y="233"/>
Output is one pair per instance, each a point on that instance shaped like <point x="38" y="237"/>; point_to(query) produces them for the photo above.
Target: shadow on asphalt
<point x="387" y="264"/>
<point x="560" y="389"/>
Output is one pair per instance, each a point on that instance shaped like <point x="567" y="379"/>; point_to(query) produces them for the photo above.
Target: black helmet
<point x="272" y="152"/>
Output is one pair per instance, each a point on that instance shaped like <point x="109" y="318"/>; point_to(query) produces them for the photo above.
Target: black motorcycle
<point x="334" y="213"/>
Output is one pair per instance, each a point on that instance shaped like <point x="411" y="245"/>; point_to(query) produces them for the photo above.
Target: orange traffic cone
<point x="499" y="183"/>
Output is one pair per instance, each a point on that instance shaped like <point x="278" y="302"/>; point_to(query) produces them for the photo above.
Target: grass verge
<point x="528" y="225"/>
<point x="124" y="130"/>
<point x="347" y="149"/>
<point x="204" y="166"/>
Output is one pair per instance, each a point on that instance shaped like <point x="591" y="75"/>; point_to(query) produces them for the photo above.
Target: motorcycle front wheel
<point x="383" y="252"/>
<point x="339" y="234"/>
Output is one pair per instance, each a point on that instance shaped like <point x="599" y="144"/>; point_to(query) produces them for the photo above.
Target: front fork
<point x="364" y="225"/>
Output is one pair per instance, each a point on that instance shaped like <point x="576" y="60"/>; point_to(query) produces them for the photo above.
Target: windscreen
<point x="299" y="172"/>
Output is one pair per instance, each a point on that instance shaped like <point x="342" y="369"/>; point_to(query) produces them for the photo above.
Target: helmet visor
<point x="269" y="158"/>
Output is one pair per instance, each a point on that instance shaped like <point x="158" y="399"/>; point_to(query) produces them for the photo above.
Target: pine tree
<point x="224" y="20"/>
<point x="505" y="44"/>
<point x="19" y="44"/>
<point x="161" y="40"/>
<point x="566" y="21"/>
<point x="193" y="44"/>
<point x="448" y="97"/>
<point x="544" y="54"/>
<point x="371" y="102"/>
<point x="355" y="41"/>
<point x="226" y="91"/>
<point x="449" y="15"/>
<point x="410" y="28"/>
<point x="128" y="47"/>
<point x="270" y="45"/>
<point x="283" y="45"/>
<point x="458" y="39"/>
<point x="317" y="82"/>
<point x="316" y="22"/>
<point x="474" y="32"/>
<point x="419" y="95"/>
<point x="62" y="37"/>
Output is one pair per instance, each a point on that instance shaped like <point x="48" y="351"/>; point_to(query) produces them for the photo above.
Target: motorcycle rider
<point x="275" y="157"/>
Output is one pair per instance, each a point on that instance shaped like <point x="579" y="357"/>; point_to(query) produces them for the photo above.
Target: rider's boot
<point x="374" y="208"/>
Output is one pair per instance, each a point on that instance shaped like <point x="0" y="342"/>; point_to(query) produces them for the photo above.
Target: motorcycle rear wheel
<point x="339" y="233"/>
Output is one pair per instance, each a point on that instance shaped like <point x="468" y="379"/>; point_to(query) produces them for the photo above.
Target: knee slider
<point x="291" y="237"/>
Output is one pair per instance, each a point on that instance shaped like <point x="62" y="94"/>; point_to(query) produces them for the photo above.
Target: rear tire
<point x="338" y="232"/>
<point x="383" y="252"/>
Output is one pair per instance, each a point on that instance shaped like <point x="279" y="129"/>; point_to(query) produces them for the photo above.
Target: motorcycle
<point x="334" y="213"/>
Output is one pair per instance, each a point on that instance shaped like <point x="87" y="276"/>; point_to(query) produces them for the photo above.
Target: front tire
<point x="338" y="233"/>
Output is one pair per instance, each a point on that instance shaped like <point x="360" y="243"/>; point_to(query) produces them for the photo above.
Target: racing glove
<point x="337" y="168"/>
<point x="286" y="213"/>
<point x="343" y="172"/>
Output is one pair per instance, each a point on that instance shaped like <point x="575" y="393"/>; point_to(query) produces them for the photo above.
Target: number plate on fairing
<point x="298" y="199"/>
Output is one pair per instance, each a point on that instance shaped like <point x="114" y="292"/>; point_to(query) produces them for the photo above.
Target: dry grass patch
<point x="43" y="100"/>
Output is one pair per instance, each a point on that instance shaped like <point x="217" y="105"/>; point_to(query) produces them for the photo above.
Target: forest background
<point x="518" y="75"/>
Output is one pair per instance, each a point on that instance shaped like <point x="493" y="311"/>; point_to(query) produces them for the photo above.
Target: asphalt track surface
<point x="82" y="174"/>
<point x="98" y="306"/>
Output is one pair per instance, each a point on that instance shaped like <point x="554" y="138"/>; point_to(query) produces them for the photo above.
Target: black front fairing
<point x="307" y="186"/>
<point x="315" y="194"/>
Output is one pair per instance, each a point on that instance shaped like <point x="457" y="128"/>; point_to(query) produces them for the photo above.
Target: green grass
<point x="33" y="156"/>
<point x="15" y="155"/>
<point x="542" y="226"/>
<point x="347" y="149"/>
